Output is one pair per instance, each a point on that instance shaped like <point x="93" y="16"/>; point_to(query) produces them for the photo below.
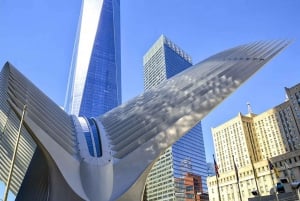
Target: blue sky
<point x="37" y="37"/>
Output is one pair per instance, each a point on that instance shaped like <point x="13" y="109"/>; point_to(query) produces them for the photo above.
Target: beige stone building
<point x="273" y="134"/>
<point x="287" y="165"/>
<point x="242" y="138"/>
<point x="228" y="184"/>
<point x="245" y="136"/>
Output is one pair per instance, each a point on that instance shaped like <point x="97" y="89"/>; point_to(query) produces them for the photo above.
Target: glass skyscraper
<point x="185" y="160"/>
<point x="94" y="85"/>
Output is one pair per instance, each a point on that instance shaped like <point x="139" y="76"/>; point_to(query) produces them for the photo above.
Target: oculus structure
<point x="108" y="157"/>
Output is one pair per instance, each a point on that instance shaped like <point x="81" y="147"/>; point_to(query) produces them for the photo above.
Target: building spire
<point x="249" y="108"/>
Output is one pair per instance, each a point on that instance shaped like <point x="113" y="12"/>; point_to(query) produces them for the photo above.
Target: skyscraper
<point x="94" y="85"/>
<point x="187" y="156"/>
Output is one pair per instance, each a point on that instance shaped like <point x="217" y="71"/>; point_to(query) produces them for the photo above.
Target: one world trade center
<point x="94" y="85"/>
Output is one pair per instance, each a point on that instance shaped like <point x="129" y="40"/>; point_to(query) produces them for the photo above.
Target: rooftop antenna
<point x="249" y="108"/>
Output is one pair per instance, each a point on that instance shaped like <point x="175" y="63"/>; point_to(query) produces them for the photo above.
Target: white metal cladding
<point x="42" y="110"/>
<point x="141" y="129"/>
<point x="17" y="90"/>
<point x="177" y="104"/>
<point x="9" y="124"/>
<point x="134" y="134"/>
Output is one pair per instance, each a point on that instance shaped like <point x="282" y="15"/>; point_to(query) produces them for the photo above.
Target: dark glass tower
<point x="186" y="158"/>
<point x="95" y="77"/>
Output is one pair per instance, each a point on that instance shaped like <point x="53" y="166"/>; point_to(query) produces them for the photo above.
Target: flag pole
<point x="14" y="156"/>
<point x="255" y="176"/>
<point x="217" y="177"/>
<point x="271" y="167"/>
<point x="218" y="188"/>
<point x="237" y="178"/>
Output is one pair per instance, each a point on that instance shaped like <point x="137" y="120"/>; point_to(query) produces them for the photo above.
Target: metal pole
<point x="217" y="176"/>
<point x="275" y="191"/>
<point x="14" y="156"/>
<point x="218" y="188"/>
<point x="255" y="177"/>
<point x="237" y="178"/>
<point x="238" y="185"/>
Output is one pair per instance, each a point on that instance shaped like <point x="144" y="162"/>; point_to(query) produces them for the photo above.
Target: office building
<point x="237" y="142"/>
<point x="94" y="85"/>
<point x="289" y="117"/>
<point x="293" y="95"/>
<point x="247" y="136"/>
<point x="273" y="134"/>
<point x="287" y="165"/>
<point x="187" y="156"/>
<point x="231" y="187"/>
<point x="189" y="185"/>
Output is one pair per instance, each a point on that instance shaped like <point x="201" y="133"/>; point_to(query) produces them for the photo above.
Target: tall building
<point x="288" y="126"/>
<point x="289" y="116"/>
<point x="186" y="156"/>
<point x="269" y="137"/>
<point x="247" y="136"/>
<point x="273" y="134"/>
<point x="94" y="85"/>
<point x="293" y="95"/>
<point x="239" y="141"/>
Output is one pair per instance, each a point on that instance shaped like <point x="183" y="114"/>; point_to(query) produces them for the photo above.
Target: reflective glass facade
<point x="95" y="76"/>
<point x="186" y="156"/>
